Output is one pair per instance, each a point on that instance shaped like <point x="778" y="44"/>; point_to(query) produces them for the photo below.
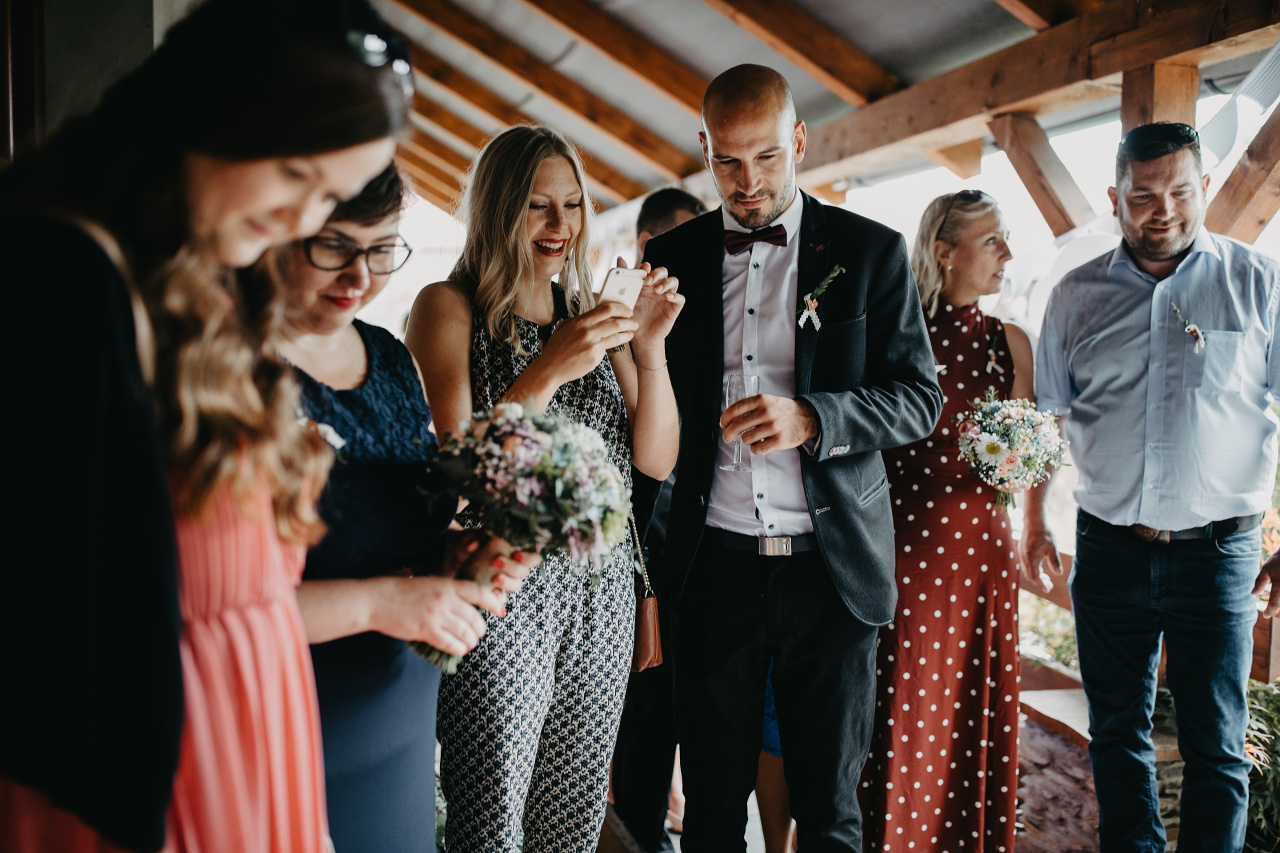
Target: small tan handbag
<point x="648" y="642"/>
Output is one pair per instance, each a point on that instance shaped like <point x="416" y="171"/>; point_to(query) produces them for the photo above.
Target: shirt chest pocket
<point x="1216" y="368"/>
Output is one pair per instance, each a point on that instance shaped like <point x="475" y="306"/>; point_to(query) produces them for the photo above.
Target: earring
<point x="948" y="266"/>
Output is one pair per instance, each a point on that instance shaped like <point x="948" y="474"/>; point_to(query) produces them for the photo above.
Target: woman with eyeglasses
<point x="943" y="769"/>
<point x="374" y="581"/>
<point x="157" y="688"/>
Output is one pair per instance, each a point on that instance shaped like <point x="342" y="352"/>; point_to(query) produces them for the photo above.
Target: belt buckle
<point x="1150" y="534"/>
<point x="775" y="546"/>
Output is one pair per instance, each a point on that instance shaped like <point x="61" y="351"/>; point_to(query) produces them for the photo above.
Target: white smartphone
<point x="622" y="285"/>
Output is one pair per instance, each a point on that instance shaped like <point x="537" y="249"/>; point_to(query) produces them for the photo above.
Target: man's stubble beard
<point x="760" y="218"/>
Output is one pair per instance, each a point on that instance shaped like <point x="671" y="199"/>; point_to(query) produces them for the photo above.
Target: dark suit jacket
<point x="869" y="374"/>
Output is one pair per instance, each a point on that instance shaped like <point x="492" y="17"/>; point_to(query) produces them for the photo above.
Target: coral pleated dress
<point x="942" y="775"/>
<point x="250" y="774"/>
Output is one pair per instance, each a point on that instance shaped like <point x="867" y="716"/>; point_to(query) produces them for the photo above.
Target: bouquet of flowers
<point x="543" y="482"/>
<point x="1009" y="444"/>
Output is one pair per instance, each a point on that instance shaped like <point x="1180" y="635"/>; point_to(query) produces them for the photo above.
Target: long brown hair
<point x="496" y="259"/>
<point x="243" y="80"/>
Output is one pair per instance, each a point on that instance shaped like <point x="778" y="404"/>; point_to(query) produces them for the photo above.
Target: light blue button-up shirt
<point x="1164" y="435"/>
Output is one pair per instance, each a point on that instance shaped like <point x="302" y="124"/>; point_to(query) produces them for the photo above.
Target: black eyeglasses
<point x="966" y="196"/>
<point x="332" y="254"/>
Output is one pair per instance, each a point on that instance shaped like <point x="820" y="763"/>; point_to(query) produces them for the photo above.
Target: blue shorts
<point x="772" y="743"/>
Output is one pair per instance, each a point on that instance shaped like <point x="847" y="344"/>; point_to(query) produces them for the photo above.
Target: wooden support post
<point x="1163" y="91"/>
<point x="1052" y="188"/>
<point x="965" y="159"/>
<point x="1251" y="194"/>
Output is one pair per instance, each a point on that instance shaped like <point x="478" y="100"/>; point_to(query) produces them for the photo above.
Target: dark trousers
<point x="644" y="758"/>
<point x="1197" y="593"/>
<point x="737" y="611"/>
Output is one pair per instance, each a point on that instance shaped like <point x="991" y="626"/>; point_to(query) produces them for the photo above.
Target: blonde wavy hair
<point x="227" y="405"/>
<point x="943" y="220"/>
<point x="496" y="258"/>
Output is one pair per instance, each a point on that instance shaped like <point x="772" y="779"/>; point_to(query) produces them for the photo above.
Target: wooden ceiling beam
<point x="442" y="180"/>
<point x="1040" y="15"/>
<point x="1071" y="64"/>
<point x="449" y="121"/>
<point x="964" y="160"/>
<point x="442" y="156"/>
<point x="628" y="48"/>
<point x="469" y="31"/>
<point x="605" y="180"/>
<point x="1051" y="186"/>
<point x="1161" y="91"/>
<point x="423" y="186"/>
<point x="1251" y="194"/>
<point x="812" y="46"/>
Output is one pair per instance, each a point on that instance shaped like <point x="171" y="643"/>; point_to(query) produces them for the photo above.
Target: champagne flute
<point x="738" y="386"/>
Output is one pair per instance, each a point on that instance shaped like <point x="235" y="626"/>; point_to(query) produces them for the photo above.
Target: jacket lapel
<point x="814" y="263"/>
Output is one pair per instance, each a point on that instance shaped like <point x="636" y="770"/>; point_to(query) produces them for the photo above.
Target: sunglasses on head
<point x="966" y="196"/>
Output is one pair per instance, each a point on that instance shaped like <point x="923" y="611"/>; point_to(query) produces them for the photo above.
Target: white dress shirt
<point x="760" y="296"/>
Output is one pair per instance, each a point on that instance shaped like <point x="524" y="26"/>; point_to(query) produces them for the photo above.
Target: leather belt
<point x="1213" y="530"/>
<point x="769" y="546"/>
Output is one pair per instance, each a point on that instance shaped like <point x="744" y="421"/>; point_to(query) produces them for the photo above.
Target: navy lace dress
<point x="377" y="698"/>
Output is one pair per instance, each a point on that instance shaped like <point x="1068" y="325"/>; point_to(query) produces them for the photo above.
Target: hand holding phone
<point x="622" y="285"/>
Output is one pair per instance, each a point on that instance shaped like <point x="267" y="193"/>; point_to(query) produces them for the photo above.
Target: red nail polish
<point x="504" y="612"/>
<point x="517" y="555"/>
<point x="498" y="580"/>
<point x="499" y="563"/>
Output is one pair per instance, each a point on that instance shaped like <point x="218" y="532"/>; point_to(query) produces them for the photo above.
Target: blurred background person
<point x="270" y="116"/>
<point x="645" y="792"/>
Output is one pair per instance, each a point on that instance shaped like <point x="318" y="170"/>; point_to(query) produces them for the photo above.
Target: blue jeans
<point x="1125" y="594"/>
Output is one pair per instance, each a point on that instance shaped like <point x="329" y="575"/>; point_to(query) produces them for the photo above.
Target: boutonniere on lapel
<point x="811" y="299"/>
<point x="1192" y="329"/>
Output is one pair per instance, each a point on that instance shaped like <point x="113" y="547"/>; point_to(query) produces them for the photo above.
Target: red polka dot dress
<point x="942" y="775"/>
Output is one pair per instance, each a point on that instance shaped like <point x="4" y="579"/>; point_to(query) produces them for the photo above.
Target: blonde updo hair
<point x="943" y="219"/>
<point x="496" y="259"/>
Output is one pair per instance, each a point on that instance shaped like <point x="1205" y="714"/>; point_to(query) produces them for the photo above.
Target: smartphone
<point x="622" y="285"/>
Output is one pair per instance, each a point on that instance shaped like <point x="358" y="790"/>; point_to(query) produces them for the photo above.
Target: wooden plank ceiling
<point x="484" y="65"/>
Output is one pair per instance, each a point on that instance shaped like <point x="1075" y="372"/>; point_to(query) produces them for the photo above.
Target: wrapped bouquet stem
<point x="542" y="482"/>
<point x="1009" y="444"/>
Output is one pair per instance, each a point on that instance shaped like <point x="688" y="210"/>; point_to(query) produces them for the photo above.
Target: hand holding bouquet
<point x="1009" y="444"/>
<point x="542" y="482"/>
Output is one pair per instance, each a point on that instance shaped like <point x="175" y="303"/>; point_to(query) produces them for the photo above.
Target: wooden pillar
<point x="1251" y="194"/>
<point x="1159" y="92"/>
<point x="1051" y="186"/>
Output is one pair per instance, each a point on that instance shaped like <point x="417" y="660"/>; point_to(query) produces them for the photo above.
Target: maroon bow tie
<point x="740" y="241"/>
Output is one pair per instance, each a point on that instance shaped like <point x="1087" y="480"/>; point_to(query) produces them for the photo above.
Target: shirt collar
<point x="1203" y="243"/>
<point x="789" y="219"/>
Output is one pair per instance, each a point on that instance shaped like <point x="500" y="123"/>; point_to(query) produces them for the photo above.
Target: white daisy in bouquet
<point x="542" y="482"/>
<point x="1009" y="444"/>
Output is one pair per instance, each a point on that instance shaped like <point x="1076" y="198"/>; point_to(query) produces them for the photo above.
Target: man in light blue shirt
<point x="1159" y="357"/>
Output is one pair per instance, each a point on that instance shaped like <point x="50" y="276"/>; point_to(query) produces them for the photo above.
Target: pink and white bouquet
<point x="543" y="482"/>
<point x="1009" y="444"/>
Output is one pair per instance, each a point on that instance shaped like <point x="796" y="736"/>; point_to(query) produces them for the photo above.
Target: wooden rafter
<point x="441" y="181"/>
<point x="471" y="32"/>
<point x="1074" y="63"/>
<point x="628" y="48"/>
<point x="1162" y="91"/>
<point x="1042" y="14"/>
<point x="1051" y="186"/>
<point x="964" y="160"/>
<point x="812" y="46"/>
<point x="604" y="178"/>
<point x="440" y="155"/>
<point x="449" y="121"/>
<point x="1251" y="194"/>
<point x="423" y="185"/>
